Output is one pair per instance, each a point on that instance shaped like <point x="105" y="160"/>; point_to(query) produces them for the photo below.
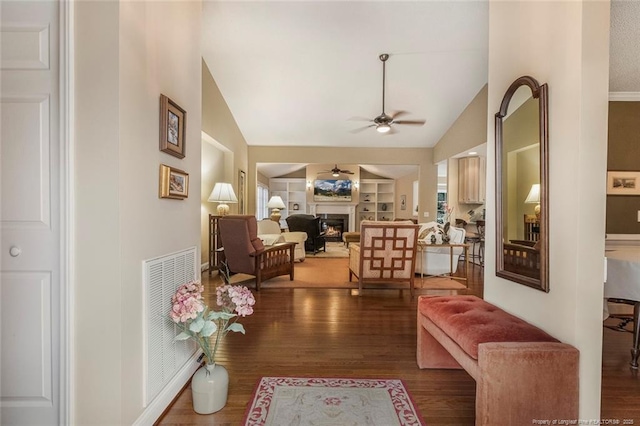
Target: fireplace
<point x="333" y="225"/>
<point x="337" y="210"/>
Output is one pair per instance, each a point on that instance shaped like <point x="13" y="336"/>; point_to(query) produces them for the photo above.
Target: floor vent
<point x="164" y="356"/>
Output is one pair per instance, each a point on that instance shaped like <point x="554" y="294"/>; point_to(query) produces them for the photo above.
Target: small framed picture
<point x="174" y="183"/>
<point x="173" y="124"/>
<point x="623" y="183"/>
<point x="403" y="202"/>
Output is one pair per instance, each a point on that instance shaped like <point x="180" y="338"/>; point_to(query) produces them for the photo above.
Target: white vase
<point x="209" y="386"/>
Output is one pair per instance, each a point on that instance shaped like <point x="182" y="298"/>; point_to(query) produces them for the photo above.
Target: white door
<point x="30" y="214"/>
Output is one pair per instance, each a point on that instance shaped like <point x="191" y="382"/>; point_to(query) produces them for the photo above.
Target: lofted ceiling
<point x="297" y="72"/>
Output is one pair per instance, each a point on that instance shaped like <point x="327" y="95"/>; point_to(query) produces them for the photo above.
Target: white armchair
<point x="436" y="260"/>
<point x="269" y="232"/>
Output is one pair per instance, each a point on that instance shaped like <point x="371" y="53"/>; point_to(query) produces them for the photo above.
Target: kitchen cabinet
<point x="471" y="180"/>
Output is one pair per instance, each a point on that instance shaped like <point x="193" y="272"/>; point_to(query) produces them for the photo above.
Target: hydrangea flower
<point x="197" y="322"/>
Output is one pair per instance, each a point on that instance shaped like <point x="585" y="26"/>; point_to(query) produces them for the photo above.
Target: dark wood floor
<point x="334" y="333"/>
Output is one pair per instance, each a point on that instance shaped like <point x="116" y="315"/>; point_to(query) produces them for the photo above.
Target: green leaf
<point x="221" y="315"/>
<point x="183" y="336"/>
<point x="236" y="327"/>
<point x="209" y="328"/>
<point x="196" y="325"/>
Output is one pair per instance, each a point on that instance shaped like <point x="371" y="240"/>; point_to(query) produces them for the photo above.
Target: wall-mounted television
<point x="332" y="190"/>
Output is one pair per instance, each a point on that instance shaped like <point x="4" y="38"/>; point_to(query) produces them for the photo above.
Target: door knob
<point x="15" y="251"/>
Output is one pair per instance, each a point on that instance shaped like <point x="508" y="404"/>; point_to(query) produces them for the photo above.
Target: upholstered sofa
<point x="436" y="259"/>
<point x="270" y="234"/>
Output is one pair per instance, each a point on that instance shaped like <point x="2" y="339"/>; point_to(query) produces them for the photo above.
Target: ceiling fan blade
<point x="397" y="114"/>
<point x="412" y="122"/>
<point x="358" y="130"/>
<point x="346" y="172"/>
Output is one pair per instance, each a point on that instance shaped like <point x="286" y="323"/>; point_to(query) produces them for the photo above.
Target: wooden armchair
<point x="386" y="254"/>
<point x="522" y="259"/>
<point x="245" y="253"/>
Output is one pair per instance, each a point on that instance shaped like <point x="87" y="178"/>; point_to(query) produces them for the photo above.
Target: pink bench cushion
<point x="469" y="321"/>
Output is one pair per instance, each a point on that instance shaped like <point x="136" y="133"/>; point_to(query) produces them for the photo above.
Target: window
<point x="262" y="194"/>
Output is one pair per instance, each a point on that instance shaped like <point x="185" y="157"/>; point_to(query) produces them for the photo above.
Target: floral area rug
<point x="331" y="401"/>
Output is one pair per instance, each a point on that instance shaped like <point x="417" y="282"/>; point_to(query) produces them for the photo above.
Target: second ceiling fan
<point x="383" y="122"/>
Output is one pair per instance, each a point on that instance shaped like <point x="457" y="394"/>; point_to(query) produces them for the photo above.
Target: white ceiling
<point x="295" y="73"/>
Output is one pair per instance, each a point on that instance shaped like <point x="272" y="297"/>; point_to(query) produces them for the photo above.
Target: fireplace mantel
<point x="335" y="208"/>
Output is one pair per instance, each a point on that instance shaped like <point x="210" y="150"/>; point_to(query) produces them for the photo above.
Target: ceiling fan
<point x="383" y="122"/>
<point x="335" y="172"/>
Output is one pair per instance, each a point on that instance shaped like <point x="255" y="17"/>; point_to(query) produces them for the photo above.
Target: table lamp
<point x="223" y="193"/>
<point x="276" y="204"/>
<point x="534" y="198"/>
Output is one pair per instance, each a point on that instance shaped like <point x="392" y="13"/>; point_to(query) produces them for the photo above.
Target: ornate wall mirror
<point x="522" y="194"/>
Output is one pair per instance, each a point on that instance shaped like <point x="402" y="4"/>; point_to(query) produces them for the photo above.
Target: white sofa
<point x="270" y="234"/>
<point x="436" y="259"/>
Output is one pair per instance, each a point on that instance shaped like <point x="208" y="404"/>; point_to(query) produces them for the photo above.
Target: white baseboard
<point x="160" y="403"/>
<point x="204" y="267"/>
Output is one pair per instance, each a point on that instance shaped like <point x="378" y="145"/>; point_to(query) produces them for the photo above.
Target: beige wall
<point x="523" y="40"/>
<point x="125" y="57"/>
<point x="468" y="131"/>
<point x="98" y="272"/>
<point x="219" y="124"/>
<point x="214" y="164"/>
<point x="422" y="157"/>
<point x="404" y="186"/>
<point x="623" y="155"/>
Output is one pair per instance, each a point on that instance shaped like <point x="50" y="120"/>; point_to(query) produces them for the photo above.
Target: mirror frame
<point x="539" y="92"/>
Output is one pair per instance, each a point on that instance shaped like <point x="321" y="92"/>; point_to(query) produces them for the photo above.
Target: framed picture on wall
<point x="173" y="124"/>
<point x="242" y="187"/>
<point x="403" y="202"/>
<point x="174" y="183"/>
<point x="623" y="183"/>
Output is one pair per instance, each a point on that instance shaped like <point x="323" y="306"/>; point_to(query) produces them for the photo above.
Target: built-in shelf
<point x="376" y="200"/>
<point x="293" y="193"/>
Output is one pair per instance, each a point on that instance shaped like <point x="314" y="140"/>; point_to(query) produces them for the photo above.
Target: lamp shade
<point x="223" y="194"/>
<point x="534" y="194"/>
<point x="276" y="202"/>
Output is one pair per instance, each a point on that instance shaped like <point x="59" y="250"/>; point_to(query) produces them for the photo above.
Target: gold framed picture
<point x="173" y="124"/>
<point x="174" y="183"/>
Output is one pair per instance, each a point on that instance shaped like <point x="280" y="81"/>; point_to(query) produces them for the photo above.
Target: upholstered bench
<point x="521" y="372"/>
<point x="350" y="237"/>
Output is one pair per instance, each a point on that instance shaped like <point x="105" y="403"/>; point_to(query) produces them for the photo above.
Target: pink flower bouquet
<point x="197" y="322"/>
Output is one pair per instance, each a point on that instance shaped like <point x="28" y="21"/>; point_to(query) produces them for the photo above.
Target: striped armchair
<point x="386" y="254"/>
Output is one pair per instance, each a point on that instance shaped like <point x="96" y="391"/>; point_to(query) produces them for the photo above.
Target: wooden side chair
<point x="386" y="254"/>
<point x="245" y="253"/>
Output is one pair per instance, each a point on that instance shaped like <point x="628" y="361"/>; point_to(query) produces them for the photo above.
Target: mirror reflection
<point x="521" y="174"/>
<point x="521" y="144"/>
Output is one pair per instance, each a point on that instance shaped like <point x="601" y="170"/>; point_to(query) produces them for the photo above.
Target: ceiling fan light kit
<point x="383" y="122"/>
<point x="383" y="128"/>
